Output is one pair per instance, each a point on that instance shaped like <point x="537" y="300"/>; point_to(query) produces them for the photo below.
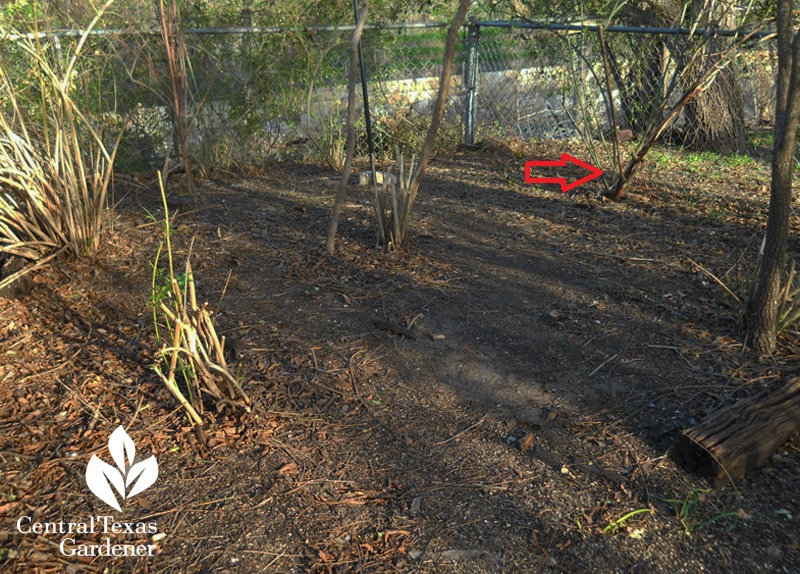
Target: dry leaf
<point x="528" y="442"/>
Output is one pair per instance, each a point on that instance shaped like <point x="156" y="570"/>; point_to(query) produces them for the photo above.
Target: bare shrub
<point x="192" y="361"/>
<point x="393" y="205"/>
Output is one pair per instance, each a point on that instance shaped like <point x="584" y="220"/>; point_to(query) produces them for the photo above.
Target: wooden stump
<point x="734" y="441"/>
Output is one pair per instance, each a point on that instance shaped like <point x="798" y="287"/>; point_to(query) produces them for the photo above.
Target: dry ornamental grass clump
<point x="55" y="170"/>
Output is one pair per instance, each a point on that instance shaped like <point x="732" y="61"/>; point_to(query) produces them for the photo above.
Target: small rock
<point x="774" y="552"/>
<point x="415" y="505"/>
<point x="624" y="136"/>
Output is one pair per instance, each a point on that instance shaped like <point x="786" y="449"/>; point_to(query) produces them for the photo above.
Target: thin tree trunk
<point x="441" y="101"/>
<point x="762" y="318"/>
<point x="330" y="245"/>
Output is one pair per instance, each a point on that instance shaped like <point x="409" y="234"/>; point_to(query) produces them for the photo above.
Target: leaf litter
<point x="559" y="345"/>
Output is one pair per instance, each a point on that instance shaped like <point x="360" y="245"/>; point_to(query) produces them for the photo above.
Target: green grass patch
<point x="687" y="512"/>
<point x="662" y="158"/>
<point x="702" y="157"/>
<point x="621" y="522"/>
<point x="736" y="160"/>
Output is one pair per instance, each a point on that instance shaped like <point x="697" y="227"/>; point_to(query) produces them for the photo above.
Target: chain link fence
<point x="277" y="93"/>
<point x="535" y="83"/>
<point x="259" y="93"/>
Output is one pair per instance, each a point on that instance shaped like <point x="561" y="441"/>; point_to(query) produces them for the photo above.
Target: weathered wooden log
<point x="734" y="441"/>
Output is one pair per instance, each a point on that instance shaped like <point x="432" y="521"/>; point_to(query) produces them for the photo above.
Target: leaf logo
<point x="129" y="476"/>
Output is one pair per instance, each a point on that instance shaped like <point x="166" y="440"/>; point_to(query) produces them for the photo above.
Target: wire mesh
<point x="541" y="84"/>
<point x="251" y="96"/>
<point x="404" y="68"/>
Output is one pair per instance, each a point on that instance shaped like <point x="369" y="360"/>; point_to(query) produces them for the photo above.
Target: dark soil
<point x="497" y="397"/>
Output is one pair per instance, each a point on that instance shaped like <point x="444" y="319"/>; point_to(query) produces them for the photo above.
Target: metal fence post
<point x="471" y="79"/>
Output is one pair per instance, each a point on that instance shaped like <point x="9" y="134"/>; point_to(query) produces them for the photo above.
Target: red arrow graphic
<point x="562" y="181"/>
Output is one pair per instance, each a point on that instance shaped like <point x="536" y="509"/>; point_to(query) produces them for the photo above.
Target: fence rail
<point x="521" y="24"/>
<point x="558" y="27"/>
<point x="231" y="30"/>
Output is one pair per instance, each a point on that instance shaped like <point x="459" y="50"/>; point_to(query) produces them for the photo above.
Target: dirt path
<point x="493" y="400"/>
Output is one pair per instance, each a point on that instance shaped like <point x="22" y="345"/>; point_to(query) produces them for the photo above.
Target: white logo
<point x="138" y="476"/>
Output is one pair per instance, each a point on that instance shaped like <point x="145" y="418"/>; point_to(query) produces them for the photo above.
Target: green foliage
<point x="161" y="291"/>
<point x="702" y="158"/>
<point x="20" y="14"/>
<point x="212" y="13"/>
<point x="661" y="158"/>
<point x="622" y="521"/>
<point x="26" y="9"/>
<point x="687" y="513"/>
<point x="765" y="139"/>
<point x="706" y="158"/>
<point x="737" y="160"/>
<point x="247" y="94"/>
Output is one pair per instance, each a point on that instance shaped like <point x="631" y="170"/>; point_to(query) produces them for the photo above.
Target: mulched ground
<point x="502" y="396"/>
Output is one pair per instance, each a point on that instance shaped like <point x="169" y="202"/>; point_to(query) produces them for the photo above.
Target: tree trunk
<point x="350" y="145"/>
<point x="762" y="313"/>
<point x="736" y="440"/>
<point x="715" y="118"/>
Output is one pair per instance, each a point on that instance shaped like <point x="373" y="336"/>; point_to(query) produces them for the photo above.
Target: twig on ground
<point x="715" y="278"/>
<point x="603" y="364"/>
<point x="623" y="257"/>
<point x="458" y="434"/>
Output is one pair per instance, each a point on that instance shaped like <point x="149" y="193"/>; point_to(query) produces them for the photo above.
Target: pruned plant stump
<point x="736" y="440"/>
<point x="13" y="285"/>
